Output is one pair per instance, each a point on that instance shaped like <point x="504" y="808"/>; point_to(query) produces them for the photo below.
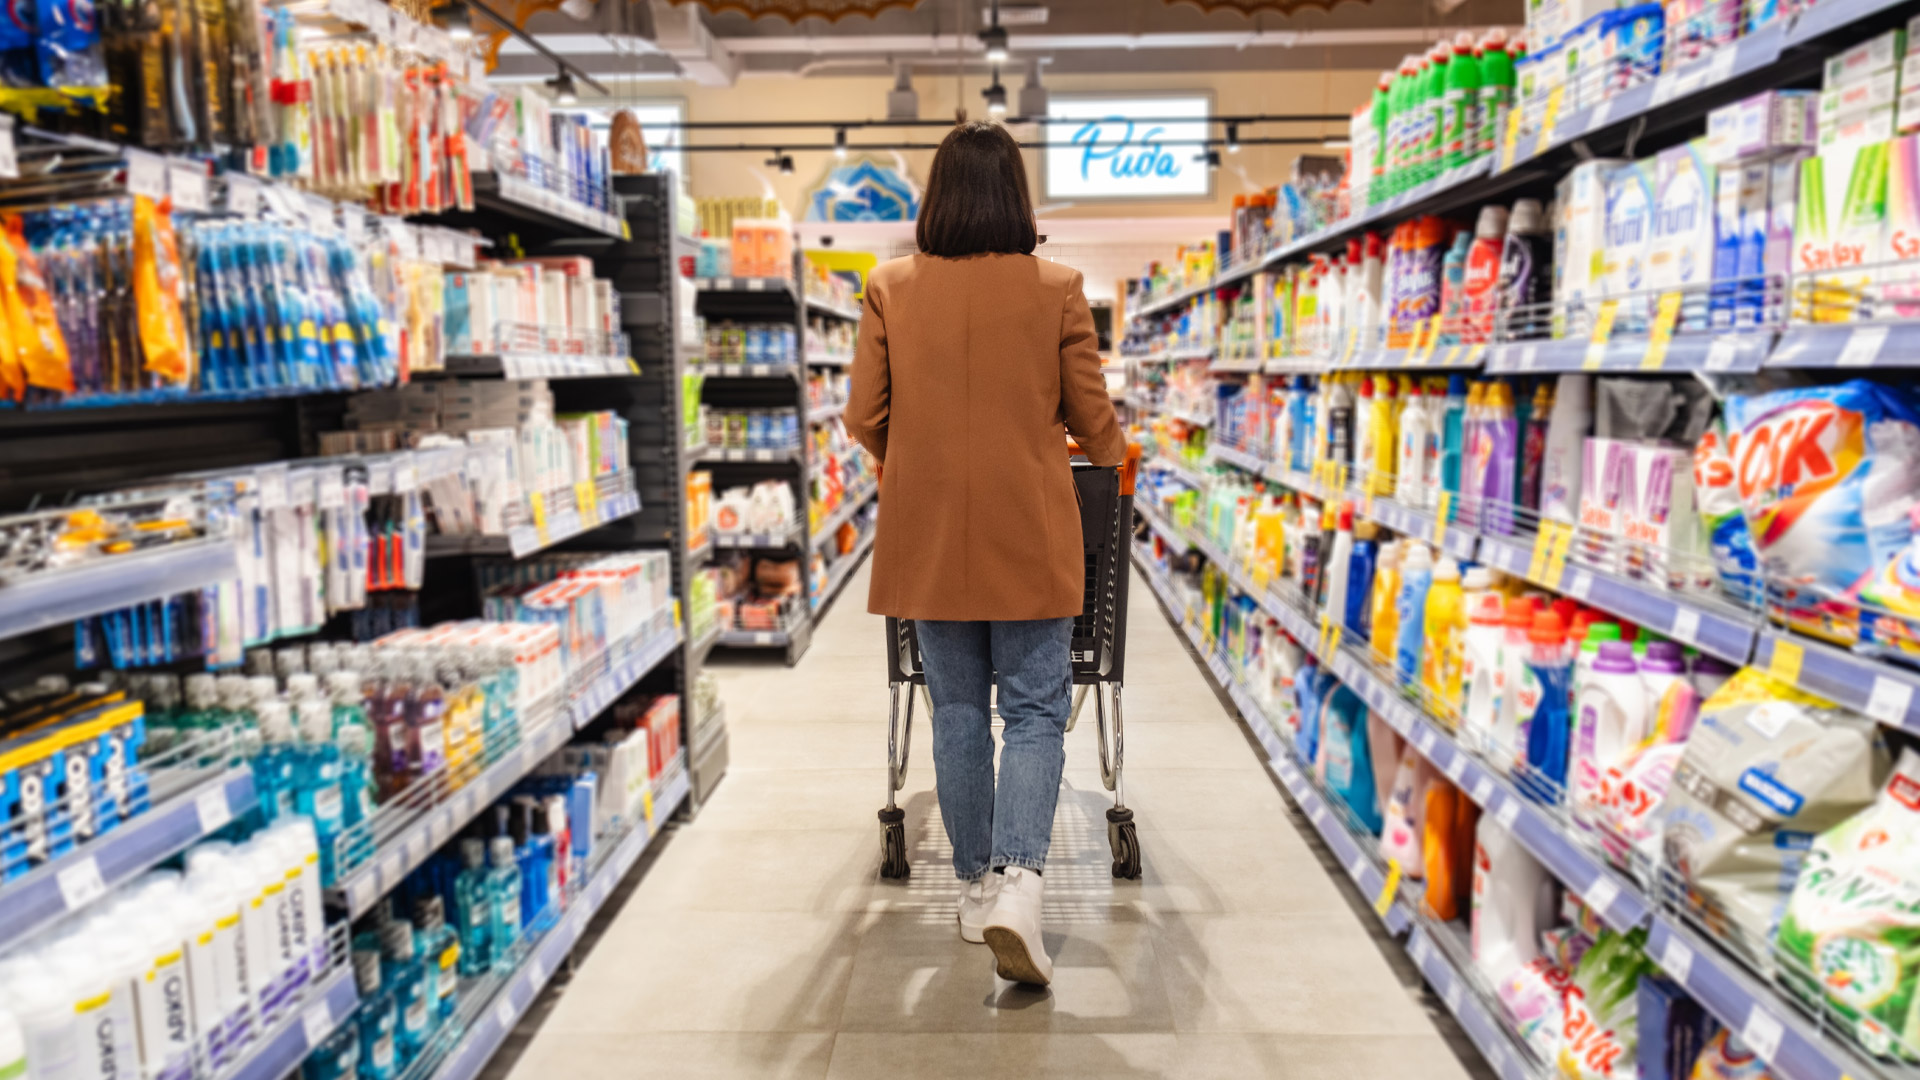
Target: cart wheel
<point x="893" y="843"/>
<point x="1125" y="842"/>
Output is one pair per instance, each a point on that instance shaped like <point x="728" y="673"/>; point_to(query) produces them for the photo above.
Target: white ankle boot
<point x="976" y="902"/>
<point x="1012" y="929"/>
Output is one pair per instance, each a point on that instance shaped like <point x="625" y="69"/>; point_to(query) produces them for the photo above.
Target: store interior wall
<point x="734" y="174"/>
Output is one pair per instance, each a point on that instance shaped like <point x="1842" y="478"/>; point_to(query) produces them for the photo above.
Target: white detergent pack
<point x="1826" y="476"/>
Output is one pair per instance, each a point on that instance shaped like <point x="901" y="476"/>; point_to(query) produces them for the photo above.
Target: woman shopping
<point x="975" y="360"/>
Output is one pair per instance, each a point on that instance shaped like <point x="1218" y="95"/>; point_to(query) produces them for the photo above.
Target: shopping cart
<point x="1099" y="662"/>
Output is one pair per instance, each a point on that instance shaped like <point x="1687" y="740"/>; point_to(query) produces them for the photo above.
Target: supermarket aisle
<point x="762" y="941"/>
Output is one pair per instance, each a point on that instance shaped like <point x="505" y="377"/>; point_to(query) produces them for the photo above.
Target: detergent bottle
<point x="1512" y="902"/>
<point x="1549" y="675"/>
<point x="1481" y="679"/>
<point x="1385" y="436"/>
<point x="1613" y="716"/>
<point x="1358" y="616"/>
<point x="1446" y="628"/>
<point x="1385" y="621"/>
<point x="1460" y="112"/>
<point x="1340" y="564"/>
<point x="1517" y="697"/>
<point x="1453" y="418"/>
<point x="1363" y="430"/>
<point x="1413" y="442"/>
<point x="1416" y="577"/>
<point x="1347" y="767"/>
<point x="1448" y="851"/>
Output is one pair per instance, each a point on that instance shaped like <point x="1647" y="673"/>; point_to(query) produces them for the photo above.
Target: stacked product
<point x="830" y="340"/>
<point x="752" y="429"/>
<point x="730" y="343"/>
<point x="531" y="305"/>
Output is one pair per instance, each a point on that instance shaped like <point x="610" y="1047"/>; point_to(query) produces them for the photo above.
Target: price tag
<point x="1482" y="790"/>
<point x="1582" y="586"/>
<point x="537" y="502"/>
<point x="1664" y="89"/>
<point x="1890" y="699"/>
<point x="243" y="195"/>
<point x="1456" y="766"/>
<point x="212" y="809"/>
<point x="80" y="884"/>
<point x="1431" y="341"/>
<point x="1720" y="67"/>
<point x="1511" y="144"/>
<point x="188" y="181"/>
<point x="1388" y="890"/>
<point x="146" y="174"/>
<point x="1676" y="959"/>
<point x="503" y="1014"/>
<point x="1722" y="353"/>
<point x="1442" y="513"/>
<point x="1666" y="316"/>
<point x="1552" y="116"/>
<point x="317" y="1023"/>
<point x="360" y="894"/>
<point x="1598" y="116"/>
<point x="1474" y="353"/>
<point x="331" y="491"/>
<point x="406" y="478"/>
<point x="1508" y="813"/>
<point x="1543" y="542"/>
<point x="754" y="284"/>
<point x="1557" y="559"/>
<point x="1686" y="626"/>
<point x="1318" y="813"/>
<point x="583" y="497"/>
<point x="1424" y="740"/>
<point x="1762" y="1032"/>
<point x="1863" y="346"/>
<point x="1785" y="662"/>
<point x="1602" y="333"/>
<point x="537" y="969"/>
<point x="1452" y="994"/>
<point x="1602" y="895"/>
<point x="9" y="160"/>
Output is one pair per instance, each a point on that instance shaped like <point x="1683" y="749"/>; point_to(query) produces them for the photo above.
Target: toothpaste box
<point x="1629" y="227"/>
<point x="1681" y="245"/>
<point x="1878" y="90"/>
<point x="1838" y="225"/>
<point x="1906" y="115"/>
<point x="1871" y="125"/>
<point x="1762" y="124"/>
<point x="1866" y="59"/>
<point x="1580" y="233"/>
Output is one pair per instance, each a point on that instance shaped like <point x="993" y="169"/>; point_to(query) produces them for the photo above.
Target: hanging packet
<point x="156" y="292"/>
<point x="37" y="340"/>
<point x="1717" y="495"/>
<point x="68" y="42"/>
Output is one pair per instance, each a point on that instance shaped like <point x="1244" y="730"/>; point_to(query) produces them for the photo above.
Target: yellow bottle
<point x="1445" y="629"/>
<point x="1384" y="433"/>
<point x="1385" y="624"/>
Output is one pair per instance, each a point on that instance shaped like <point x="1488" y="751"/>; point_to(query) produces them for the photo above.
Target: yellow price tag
<point x="1665" y="317"/>
<point x="1442" y="514"/>
<point x="1326" y="631"/>
<point x="1785" y="665"/>
<point x="1602" y="333"/>
<point x="1475" y="353"/>
<point x="1391" y="888"/>
<point x="632" y="367"/>
<point x="1431" y="341"/>
<point x="1340" y="476"/>
<point x="1366" y="502"/>
<point x="538" y="501"/>
<point x="1543" y="542"/>
<point x="1453" y="355"/>
<point x="1511" y="145"/>
<point x="646" y="803"/>
<point x="1333" y="640"/>
<point x="1353" y="342"/>
<point x="583" y="496"/>
<point x="626" y="230"/>
<point x="1552" y="115"/>
<point x="1557" y="558"/>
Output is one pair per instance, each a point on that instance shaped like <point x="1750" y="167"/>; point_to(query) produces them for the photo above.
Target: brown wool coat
<point x="968" y="375"/>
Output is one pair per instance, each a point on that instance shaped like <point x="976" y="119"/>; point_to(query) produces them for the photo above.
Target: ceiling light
<point x="996" y="96"/>
<point x="840" y="143"/>
<point x="1337" y="144"/>
<point x="459" y="25"/>
<point x="1233" y="138"/>
<point x="1210" y="156"/>
<point x="781" y="161"/>
<point x="994" y="38"/>
<point x="563" y="92"/>
<point x="1033" y="96"/>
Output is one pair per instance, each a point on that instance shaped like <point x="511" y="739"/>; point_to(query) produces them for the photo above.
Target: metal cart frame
<point x="1099" y="666"/>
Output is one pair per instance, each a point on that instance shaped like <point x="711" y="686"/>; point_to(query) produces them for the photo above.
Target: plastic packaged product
<point x="1416" y="577"/>
<point x="1681" y="244"/>
<point x="1525" y="292"/>
<point x="1413" y="286"/>
<point x="1827" y="478"/>
<point x="1698" y="27"/>
<point x="1513" y="900"/>
<point x="1580" y="238"/>
<point x="1600" y="1027"/>
<point x="1612" y="715"/>
<point x="1851" y="920"/>
<point x="1674" y="1028"/>
<point x="1900" y="283"/>
<point x="1496" y="87"/>
<point x="1445" y="630"/>
<point x="1717" y="498"/>
<point x="1496" y="460"/>
<point x="1726" y="1058"/>
<point x="1384" y="624"/>
<point x="1481" y="677"/>
<point x="1460" y="105"/>
<point x="1765" y="765"/>
<point x="1343" y="746"/>
<point x="1548" y="677"/>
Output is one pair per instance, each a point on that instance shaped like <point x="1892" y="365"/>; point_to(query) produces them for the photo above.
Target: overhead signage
<point x="1127" y="147"/>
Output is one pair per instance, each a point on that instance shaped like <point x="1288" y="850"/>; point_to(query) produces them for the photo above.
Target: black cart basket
<point x="1099" y="664"/>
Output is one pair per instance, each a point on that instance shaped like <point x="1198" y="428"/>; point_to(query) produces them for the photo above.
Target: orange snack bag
<point x="39" y="349"/>
<point x="156" y="292"/>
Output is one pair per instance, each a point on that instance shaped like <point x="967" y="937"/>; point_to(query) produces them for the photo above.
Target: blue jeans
<point x="1011" y="824"/>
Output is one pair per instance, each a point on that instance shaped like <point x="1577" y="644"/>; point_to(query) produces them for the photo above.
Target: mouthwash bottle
<point x="403" y="972"/>
<point x="426" y="720"/>
<point x="503" y="697"/>
<point x="439" y="950"/>
<point x="316" y="780"/>
<point x="473" y="908"/>
<point x="503" y="897"/>
<point x="273" y="766"/>
<point x="375" y="1017"/>
<point x="338" y="1058"/>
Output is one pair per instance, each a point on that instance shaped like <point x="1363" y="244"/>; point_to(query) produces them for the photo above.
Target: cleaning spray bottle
<point x="1496" y="87"/>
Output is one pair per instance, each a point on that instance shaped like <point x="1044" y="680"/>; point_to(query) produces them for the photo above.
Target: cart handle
<point x="1129" y="466"/>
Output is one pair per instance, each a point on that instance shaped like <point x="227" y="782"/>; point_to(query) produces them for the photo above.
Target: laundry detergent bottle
<point x="1518" y="697"/>
<point x="1384" y="631"/>
<point x="1512" y="902"/>
<point x="1416" y="577"/>
<point x="1358" y="616"/>
<point x="1612" y="717"/>
<point x="1549" y="671"/>
<point x="1446" y="629"/>
<point x="1480" y="675"/>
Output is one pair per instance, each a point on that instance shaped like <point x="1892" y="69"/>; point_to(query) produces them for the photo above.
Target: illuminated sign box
<point x="1117" y="147"/>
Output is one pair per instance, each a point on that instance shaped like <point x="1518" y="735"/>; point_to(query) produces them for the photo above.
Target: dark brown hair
<point x="976" y="198"/>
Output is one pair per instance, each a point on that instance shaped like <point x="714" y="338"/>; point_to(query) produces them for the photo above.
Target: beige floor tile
<point x="913" y="973"/>
<point x="1316" y="1057"/>
<point x="684" y="1055"/>
<point x="1212" y="871"/>
<point x="966" y="1057"/>
<point x="711" y="971"/>
<point x="1282" y="974"/>
<point x="1189" y="799"/>
<point x="784" y="800"/>
<point x="815" y="870"/>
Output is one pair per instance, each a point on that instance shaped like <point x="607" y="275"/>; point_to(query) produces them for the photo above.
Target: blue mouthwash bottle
<point x="473" y="908"/>
<point x="440" y="953"/>
<point x="375" y="1017"/>
<point x="403" y="972"/>
<point x="503" y="895"/>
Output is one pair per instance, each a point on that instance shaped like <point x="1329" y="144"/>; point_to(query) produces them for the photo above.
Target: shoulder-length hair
<point x="976" y="200"/>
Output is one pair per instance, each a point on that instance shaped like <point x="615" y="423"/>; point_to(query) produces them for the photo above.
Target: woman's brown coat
<point x="968" y="374"/>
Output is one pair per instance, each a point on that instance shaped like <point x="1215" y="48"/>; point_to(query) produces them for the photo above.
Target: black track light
<point x="781" y="161"/>
<point x="840" y="143"/>
<point x="564" y="94"/>
<point x="994" y="38"/>
<point x="1233" y="138"/>
<point x="996" y="96"/>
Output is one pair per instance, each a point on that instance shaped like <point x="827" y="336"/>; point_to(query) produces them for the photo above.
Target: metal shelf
<point x="496" y="1021"/>
<point x="1732" y="351"/>
<point x="755" y="639"/>
<point x="622" y="674"/>
<point x="744" y="285"/>
<point x="842" y="514"/>
<point x="772" y="540"/>
<point x="711" y="370"/>
<point x="825" y="412"/>
<point x="321" y="1011"/>
<point x="820" y="359"/>
<point x="51" y="598"/>
<point x="820" y="306"/>
<point x="78" y="878"/>
<point x="546" y="529"/>
<point x="516" y="366"/>
<point x="722" y="454"/>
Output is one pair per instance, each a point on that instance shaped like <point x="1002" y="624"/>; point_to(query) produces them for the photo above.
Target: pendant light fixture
<point x="996" y="96"/>
<point x="994" y="38"/>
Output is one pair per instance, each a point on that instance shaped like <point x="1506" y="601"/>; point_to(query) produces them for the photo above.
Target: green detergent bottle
<point x="1431" y="109"/>
<point x="1460" y="114"/>
<point x="1496" y="87"/>
<point x="1376" y="186"/>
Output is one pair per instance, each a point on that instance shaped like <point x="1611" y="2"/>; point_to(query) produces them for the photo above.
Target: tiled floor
<point x="761" y="942"/>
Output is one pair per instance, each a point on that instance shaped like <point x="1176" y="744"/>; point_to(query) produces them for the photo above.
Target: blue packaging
<point x="1631" y="41"/>
<point x="1673" y="1029"/>
<point x="68" y="44"/>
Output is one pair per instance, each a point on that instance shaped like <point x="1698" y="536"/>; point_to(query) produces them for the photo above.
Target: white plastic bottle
<point x="263" y="922"/>
<point x="1509" y="740"/>
<point x="1339" y="563"/>
<point x="217" y="953"/>
<point x="1481" y="678"/>
<point x="40" y="997"/>
<point x="13" y="1046"/>
<point x="299" y="850"/>
<point x="162" y="983"/>
<point x="104" y="968"/>
<point x="1560" y="462"/>
<point x="1412" y="448"/>
<point x="1512" y="902"/>
<point x="1611" y="717"/>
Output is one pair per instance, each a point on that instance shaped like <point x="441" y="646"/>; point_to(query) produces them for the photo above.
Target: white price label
<point x="1456" y="767"/>
<point x="360" y="894"/>
<point x="1686" y="626"/>
<point x="1452" y="994"/>
<point x="188" y="180"/>
<point x="391" y="869"/>
<point x="80" y="884"/>
<point x="146" y="174"/>
<point x="317" y="1023"/>
<point x="1528" y="356"/>
<point x="1889" y="700"/>
<point x="503" y="1014"/>
<point x="1423" y="739"/>
<point x="754" y="284"/>
<point x="1602" y="895"/>
<point x="1582" y="585"/>
<point x="1318" y="813"/>
<point x="9" y="161"/>
<point x="1599" y="115"/>
<point x="1863" y="346"/>
<point x="1508" y="813"/>
<point x="1482" y="790"/>
<point x="1722" y="353"/>
<point x="331" y="491"/>
<point x="1677" y="959"/>
<point x="1418" y="950"/>
<point x="1762" y="1032"/>
<point x="1664" y="88"/>
<point x="1720" y="67"/>
<point x="213" y="809"/>
<point x="272" y="483"/>
<point x="406" y="478"/>
<point x="763" y="638"/>
<point x="537" y="968"/>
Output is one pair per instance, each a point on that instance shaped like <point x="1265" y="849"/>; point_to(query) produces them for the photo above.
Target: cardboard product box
<point x="1839" y="226"/>
<point x="1680" y="248"/>
<point x="1764" y="124"/>
<point x="1865" y="59"/>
